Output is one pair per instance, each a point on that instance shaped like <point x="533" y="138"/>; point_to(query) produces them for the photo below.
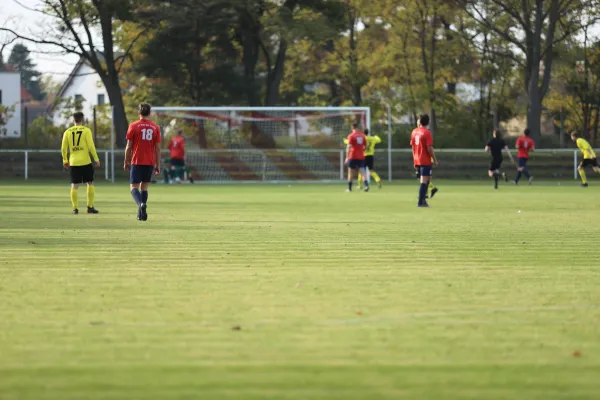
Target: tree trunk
<point x="275" y="76"/>
<point x="120" y="118"/>
<point x="595" y="130"/>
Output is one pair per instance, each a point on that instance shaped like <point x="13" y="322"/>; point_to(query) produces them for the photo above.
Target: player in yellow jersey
<point x="78" y="142"/>
<point x="589" y="157"/>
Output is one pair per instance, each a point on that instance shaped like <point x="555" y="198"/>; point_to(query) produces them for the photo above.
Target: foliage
<point x="20" y="59"/>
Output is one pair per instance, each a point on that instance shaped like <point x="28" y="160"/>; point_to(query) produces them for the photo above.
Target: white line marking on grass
<point x="448" y="313"/>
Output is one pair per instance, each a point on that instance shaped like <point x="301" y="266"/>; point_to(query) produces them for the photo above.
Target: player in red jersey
<point x="142" y="157"/>
<point x="524" y="145"/>
<point x="177" y="157"/>
<point x="355" y="156"/>
<point x="421" y="142"/>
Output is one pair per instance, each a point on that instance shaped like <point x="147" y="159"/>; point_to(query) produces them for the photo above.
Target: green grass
<point x="338" y="295"/>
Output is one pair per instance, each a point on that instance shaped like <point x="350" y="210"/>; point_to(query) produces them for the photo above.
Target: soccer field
<point x="301" y="292"/>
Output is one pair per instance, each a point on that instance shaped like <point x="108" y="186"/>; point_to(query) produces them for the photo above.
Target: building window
<point x="101" y="100"/>
<point x="78" y="102"/>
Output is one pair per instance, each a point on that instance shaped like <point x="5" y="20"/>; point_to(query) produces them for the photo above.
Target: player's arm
<point x="512" y="160"/>
<point x="346" y="141"/>
<point x="377" y="139"/>
<point x="64" y="149"/>
<point x="92" y="147"/>
<point x="128" y="155"/>
<point x="347" y="153"/>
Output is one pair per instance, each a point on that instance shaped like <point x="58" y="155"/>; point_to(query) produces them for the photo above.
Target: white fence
<point x="291" y="165"/>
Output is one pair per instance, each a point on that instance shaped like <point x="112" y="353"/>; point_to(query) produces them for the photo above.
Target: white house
<point x="83" y="85"/>
<point x="10" y="95"/>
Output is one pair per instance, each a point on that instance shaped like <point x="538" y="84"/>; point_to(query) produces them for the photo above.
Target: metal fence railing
<point x="290" y="165"/>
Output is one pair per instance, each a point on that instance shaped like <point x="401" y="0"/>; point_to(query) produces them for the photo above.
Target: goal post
<point x="263" y="144"/>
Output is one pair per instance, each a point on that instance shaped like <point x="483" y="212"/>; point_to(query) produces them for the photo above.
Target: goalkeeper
<point x="372" y="141"/>
<point x="170" y="173"/>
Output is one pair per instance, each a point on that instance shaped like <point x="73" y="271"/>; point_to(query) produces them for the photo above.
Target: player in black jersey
<point x="495" y="146"/>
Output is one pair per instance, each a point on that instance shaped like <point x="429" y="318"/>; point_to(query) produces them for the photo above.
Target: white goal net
<point x="263" y="143"/>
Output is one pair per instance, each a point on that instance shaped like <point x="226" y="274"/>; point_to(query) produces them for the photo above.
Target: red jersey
<point x="177" y="147"/>
<point x="420" y="139"/>
<point x="357" y="142"/>
<point x="143" y="134"/>
<point x="524" y="145"/>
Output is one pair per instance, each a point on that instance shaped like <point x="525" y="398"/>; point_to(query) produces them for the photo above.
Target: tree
<point x="533" y="28"/>
<point x="30" y="78"/>
<point x="76" y="22"/>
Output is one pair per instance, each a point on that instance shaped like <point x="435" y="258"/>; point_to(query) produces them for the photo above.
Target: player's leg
<point x="359" y="179"/>
<point x="431" y="189"/>
<point x="375" y="176"/>
<point x="365" y="173"/>
<point x="135" y="181"/>
<point x="582" y="175"/>
<point x="520" y="167"/>
<point x="425" y="173"/>
<point x="350" y="174"/>
<point x="526" y="172"/>
<point x="74" y="195"/>
<point x="76" y="179"/>
<point x="88" y="177"/>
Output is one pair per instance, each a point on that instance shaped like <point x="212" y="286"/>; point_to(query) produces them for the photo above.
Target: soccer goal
<point x="263" y="144"/>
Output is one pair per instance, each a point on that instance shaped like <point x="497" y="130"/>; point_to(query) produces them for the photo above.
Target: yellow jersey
<point x="586" y="149"/>
<point x="78" y="141"/>
<point x="371" y="142"/>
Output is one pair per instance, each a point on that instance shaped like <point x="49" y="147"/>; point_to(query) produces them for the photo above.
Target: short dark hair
<point x="355" y="125"/>
<point x="180" y="131"/>
<point x="78" y="117"/>
<point x="497" y="133"/>
<point x="424" y="119"/>
<point x="575" y="133"/>
<point x="367" y="132"/>
<point x="527" y="132"/>
<point x="145" y="109"/>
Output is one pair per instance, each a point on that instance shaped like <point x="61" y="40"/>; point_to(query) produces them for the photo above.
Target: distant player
<point x="177" y="161"/>
<point x="79" y="143"/>
<point x="372" y="141"/>
<point x="495" y="146"/>
<point x="589" y="157"/>
<point x="421" y="142"/>
<point x="524" y="145"/>
<point x="142" y="157"/>
<point x="355" y="156"/>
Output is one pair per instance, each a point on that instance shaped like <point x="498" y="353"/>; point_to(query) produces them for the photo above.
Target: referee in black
<point x="495" y="146"/>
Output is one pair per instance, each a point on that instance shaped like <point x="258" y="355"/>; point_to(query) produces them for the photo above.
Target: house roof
<point x="74" y="74"/>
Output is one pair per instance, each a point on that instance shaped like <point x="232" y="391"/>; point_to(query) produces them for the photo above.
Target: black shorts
<point x="177" y="162"/>
<point x="82" y="174"/>
<point x="356" y="164"/>
<point x="424" y="170"/>
<point x="495" y="164"/>
<point x="589" y="162"/>
<point x="141" y="174"/>
<point x="522" y="162"/>
<point x="370" y="162"/>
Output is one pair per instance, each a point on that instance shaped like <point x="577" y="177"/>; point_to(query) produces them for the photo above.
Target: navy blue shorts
<point x="141" y="174"/>
<point x="425" y="170"/>
<point x="522" y="162"/>
<point x="355" y="164"/>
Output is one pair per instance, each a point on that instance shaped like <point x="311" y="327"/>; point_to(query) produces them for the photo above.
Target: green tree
<point x="75" y="23"/>
<point x="20" y="59"/>
<point x="533" y="29"/>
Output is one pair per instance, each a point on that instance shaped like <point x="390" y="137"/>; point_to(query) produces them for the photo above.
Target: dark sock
<point x="518" y="176"/>
<point x="137" y="197"/>
<point x="423" y="192"/>
<point x="366" y="183"/>
<point x="144" y="196"/>
<point x="526" y="173"/>
<point x="496" y="180"/>
<point x="350" y="185"/>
